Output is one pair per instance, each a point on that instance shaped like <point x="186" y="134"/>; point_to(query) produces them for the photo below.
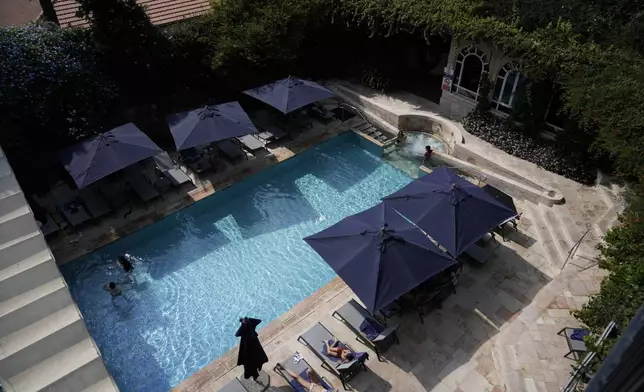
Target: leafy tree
<point x="51" y="93"/>
<point x="133" y="52"/>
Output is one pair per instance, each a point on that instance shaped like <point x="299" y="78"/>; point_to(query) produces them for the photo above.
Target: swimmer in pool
<point x="124" y="261"/>
<point x="114" y="289"/>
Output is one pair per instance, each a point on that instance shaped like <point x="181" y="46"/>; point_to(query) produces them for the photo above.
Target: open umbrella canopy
<point x="450" y="209"/>
<point x="290" y="94"/>
<point x="379" y="254"/>
<point x="209" y="124"/>
<point x="95" y="158"/>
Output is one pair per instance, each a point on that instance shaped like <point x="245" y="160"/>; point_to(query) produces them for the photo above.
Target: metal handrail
<point x="344" y="105"/>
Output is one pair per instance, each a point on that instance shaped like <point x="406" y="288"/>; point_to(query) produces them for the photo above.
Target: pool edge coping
<point x="227" y="362"/>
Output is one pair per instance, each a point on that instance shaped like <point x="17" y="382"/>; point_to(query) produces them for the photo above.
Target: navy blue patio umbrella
<point x="450" y="209"/>
<point x="209" y="124"/>
<point x="290" y="94"/>
<point x="379" y="254"/>
<point x="97" y="157"/>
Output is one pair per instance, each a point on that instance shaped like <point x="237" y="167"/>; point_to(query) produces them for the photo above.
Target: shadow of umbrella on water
<point x="251" y="353"/>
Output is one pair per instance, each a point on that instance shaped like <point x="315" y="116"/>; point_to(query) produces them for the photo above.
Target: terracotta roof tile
<point x="17" y="12"/>
<point x="161" y="12"/>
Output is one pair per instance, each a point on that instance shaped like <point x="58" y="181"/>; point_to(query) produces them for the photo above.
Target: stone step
<point x="104" y="385"/>
<point x="71" y="370"/>
<point x="556" y="230"/>
<point x="27" y="274"/>
<point x="46" y="337"/>
<point x="16" y="223"/>
<point x="28" y="307"/>
<point x="547" y="242"/>
<point x="21" y="248"/>
<point x="573" y="232"/>
<point x="10" y="201"/>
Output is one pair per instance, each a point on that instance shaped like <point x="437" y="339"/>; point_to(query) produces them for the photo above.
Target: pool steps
<point x="44" y="344"/>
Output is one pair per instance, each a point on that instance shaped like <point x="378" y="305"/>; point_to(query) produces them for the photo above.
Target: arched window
<point x="508" y="82"/>
<point x="471" y="65"/>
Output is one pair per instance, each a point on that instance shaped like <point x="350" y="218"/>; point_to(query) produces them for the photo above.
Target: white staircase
<point x="44" y="345"/>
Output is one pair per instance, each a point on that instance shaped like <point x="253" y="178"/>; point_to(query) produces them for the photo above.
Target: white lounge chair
<point x="69" y="204"/>
<point x="251" y="143"/>
<point x="170" y="170"/>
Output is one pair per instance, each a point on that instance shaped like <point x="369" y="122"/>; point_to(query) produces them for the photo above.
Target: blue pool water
<point x="239" y="252"/>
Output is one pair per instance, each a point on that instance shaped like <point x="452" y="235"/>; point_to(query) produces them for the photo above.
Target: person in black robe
<point x="251" y="352"/>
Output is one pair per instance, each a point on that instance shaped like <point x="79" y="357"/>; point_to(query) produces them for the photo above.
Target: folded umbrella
<point x="251" y="353"/>
<point x="379" y="254"/>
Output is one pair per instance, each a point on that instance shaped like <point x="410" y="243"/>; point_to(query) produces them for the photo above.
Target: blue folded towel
<point x="579" y="333"/>
<point x="370" y="330"/>
<point x="360" y="357"/>
<point x="299" y="388"/>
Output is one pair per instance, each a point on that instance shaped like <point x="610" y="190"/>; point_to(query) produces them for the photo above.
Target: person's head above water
<point x="122" y="259"/>
<point x="111" y="285"/>
<point x="428" y="148"/>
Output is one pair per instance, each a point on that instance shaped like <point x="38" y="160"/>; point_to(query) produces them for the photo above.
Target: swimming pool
<point x="239" y="252"/>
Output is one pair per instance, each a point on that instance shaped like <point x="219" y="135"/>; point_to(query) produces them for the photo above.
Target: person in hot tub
<point x="428" y="154"/>
<point x="400" y="137"/>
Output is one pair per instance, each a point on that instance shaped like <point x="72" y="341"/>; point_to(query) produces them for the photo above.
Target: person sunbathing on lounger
<point x="333" y="350"/>
<point x="315" y="385"/>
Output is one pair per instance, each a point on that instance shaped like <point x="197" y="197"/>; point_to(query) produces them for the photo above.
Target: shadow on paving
<point x="487" y="297"/>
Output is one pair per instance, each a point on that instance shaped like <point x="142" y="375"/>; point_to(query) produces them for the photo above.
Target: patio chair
<point x="300" y="367"/>
<point x="234" y="386"/>
<point x="251" y="143"/>
<point x="140" y="183"/>
<point x="68" y="203"/>
<point x="575" y="346"/>
<point x="230" y="149"/>
<point x="166" y="166"/>
<point x="94" y="202"/>
<point x="314" y="339"/>
<point x="272" y="132"/>
<point x="195" y="160"/>
<point x="367" y="328"/>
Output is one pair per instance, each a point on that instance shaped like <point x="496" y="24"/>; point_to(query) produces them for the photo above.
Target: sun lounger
<point x="300" y="367"/>
<point x="94" y="202"/>
<point x="230" y="149"/>
<point x="272" y="132"/>
<point x="314" y="339"/>
<point x="234" y="386"/>
<point x="251" y="143"/>
<point x="169" y="169"/>
<point x="70" y="205"/>
<point x="367" y="328"/>
<point x="140" y="183"/>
